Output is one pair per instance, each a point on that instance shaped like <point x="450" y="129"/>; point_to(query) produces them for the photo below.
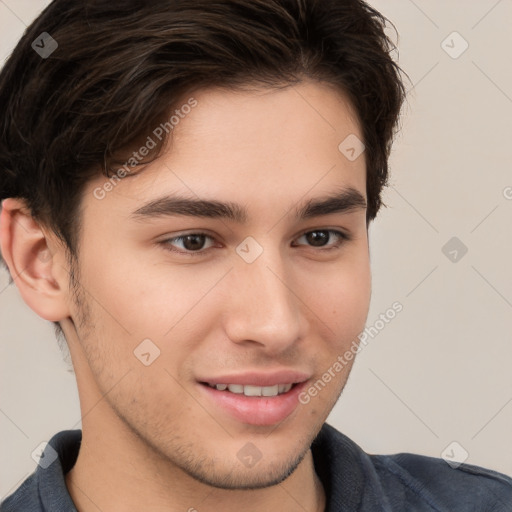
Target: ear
<point x="36" y="262"/>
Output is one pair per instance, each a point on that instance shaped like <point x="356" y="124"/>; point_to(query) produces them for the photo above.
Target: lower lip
<point x="256" y="410"/>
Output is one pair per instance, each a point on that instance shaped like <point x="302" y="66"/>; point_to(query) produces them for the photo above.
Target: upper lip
<point x="259" y="378"/>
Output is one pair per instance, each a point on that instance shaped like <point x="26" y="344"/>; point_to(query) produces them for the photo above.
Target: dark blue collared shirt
<point x="353" y="481"/>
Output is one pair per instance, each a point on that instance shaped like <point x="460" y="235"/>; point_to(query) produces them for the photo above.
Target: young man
<point x="187" y="188"/>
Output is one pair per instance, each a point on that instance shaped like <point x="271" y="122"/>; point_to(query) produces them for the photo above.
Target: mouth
<point x="250" y="390"/>
<point x="253" y="405"/>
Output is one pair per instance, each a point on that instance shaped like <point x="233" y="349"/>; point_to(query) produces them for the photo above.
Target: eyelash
<point x="344" y="237"/>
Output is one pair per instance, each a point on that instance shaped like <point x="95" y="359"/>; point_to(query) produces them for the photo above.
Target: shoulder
<point x="464" y="487"/>
<point x="25" y="498"/>
<point x="45" y="489"/>
<point x="405" y="481"/>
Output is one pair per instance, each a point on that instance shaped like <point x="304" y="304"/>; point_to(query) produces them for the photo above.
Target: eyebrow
<point x="344" y="201"/>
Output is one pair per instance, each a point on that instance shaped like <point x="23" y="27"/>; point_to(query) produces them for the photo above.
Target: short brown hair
<point x="122" y="65"/>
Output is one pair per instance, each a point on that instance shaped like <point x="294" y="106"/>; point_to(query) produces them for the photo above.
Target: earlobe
<point x="33" y="263"/>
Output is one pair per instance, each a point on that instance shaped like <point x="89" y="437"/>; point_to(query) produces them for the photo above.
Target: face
<point x="262" y="292"/>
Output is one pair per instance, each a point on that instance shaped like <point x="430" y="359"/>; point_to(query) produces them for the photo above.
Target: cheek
<point x="148" y="299"/>
<point x="342" y="302"/>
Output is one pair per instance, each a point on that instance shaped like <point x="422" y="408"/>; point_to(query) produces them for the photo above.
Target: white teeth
<point x="261" y="390"/>
<point x="249" y="390"/>
<point x="284" y="388"/>
<point x="253" y="390"/>
<point x="270" y="390"/>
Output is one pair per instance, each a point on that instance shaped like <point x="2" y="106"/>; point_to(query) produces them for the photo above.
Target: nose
<point x="263" y="308"/>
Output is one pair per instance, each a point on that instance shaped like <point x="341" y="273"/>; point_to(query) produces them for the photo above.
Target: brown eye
<point x="192" y="243"/>
<point x="321" y="238"/>
<point x="317" y="238"/>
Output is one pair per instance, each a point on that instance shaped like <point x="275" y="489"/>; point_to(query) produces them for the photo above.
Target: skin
<point x="149" y="435"/>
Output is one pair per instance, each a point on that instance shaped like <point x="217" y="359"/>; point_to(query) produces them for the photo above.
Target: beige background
<point x="440" y="371"/>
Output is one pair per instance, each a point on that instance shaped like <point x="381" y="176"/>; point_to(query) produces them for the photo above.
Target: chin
<point x="234" y="478"/>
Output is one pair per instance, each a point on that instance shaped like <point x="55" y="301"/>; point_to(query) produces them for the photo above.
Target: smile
<point x="248" y="390"/>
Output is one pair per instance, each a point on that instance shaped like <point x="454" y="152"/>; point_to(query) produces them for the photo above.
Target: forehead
<point x="244" y="118"/>
<point x="257" y="145"/>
